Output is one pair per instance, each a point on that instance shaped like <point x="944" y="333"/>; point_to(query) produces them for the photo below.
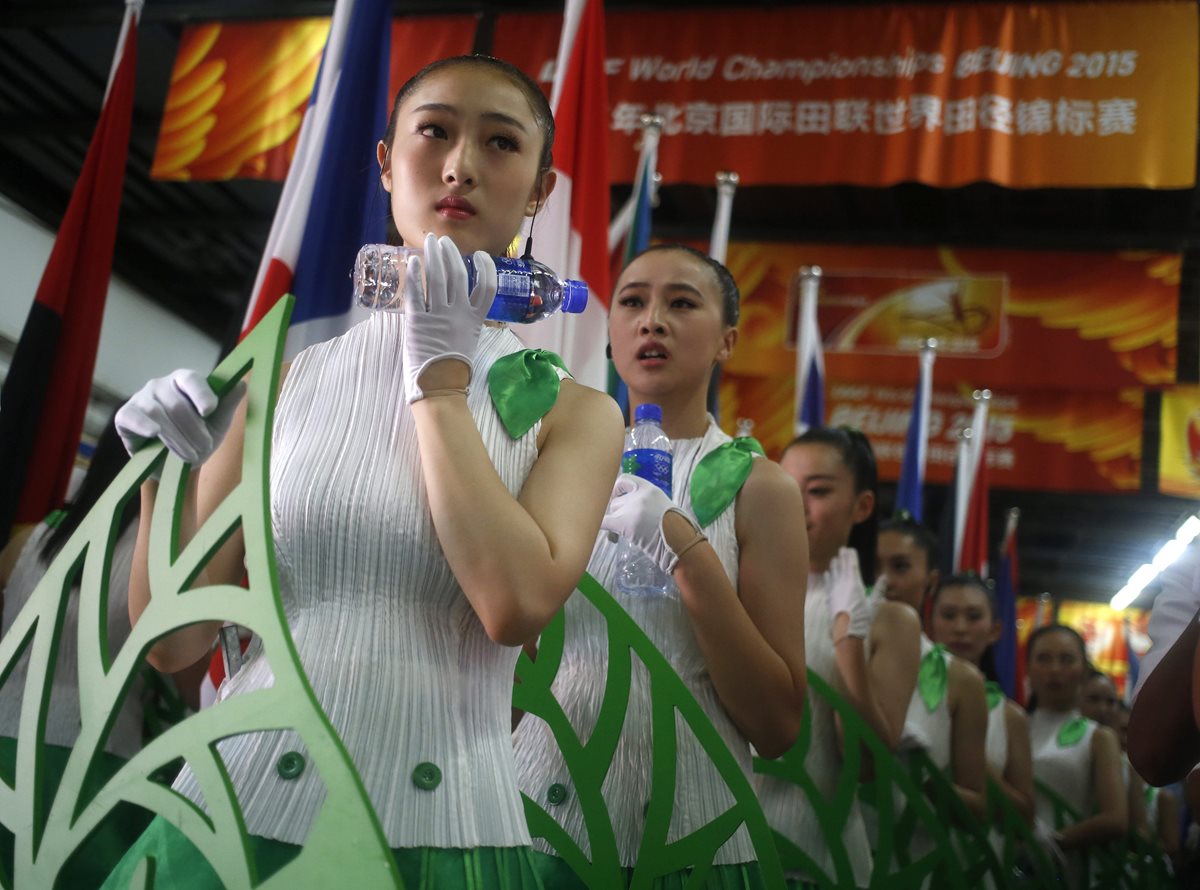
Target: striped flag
<point x="810" y="357"/>
<point x="332" y="202"/>
<point x="911" y="490"/>
<point x="570" y="232"/>
<point x="49" y="382"/>
<point x="1004" y="650"/>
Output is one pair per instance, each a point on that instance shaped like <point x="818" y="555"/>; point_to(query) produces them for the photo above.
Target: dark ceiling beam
<point x="49" y="13"/>
<point x="15" y="128"/>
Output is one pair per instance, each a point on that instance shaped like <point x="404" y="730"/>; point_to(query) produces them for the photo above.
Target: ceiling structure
<point x="195" y="247"/>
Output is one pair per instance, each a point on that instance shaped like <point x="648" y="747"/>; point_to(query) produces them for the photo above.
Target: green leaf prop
<point x="589" y="763"/>
<point x="346" y="846"/>
<point x="932" y="678"/>
<point x="1072" y="733"/>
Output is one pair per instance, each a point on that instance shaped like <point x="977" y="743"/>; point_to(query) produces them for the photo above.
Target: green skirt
<point x="557" y="875"/>
<point x="104" y="847"/>
<point x="178" y="864"/>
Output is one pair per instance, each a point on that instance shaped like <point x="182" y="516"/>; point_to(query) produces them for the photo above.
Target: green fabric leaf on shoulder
<point x="720" y="476"/>
<point x="1073" y="732"/>
<point x="524" y="387"/>
<point x="55" y="518"/>
<point x="932" y="677"/>
<point x="995" y="694"/>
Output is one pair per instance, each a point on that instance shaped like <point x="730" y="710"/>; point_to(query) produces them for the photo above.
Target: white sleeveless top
<point x="926" y="730"/>
<point x="1066" y="770"/>
<point x="786" y="808"/>
<point x="996" y="741"/>
<point x="396" y="655"/>
<point x="700" y="793"/>
<point x="62" y="718"/>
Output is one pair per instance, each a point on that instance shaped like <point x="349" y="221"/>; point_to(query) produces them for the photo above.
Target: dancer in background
<point x="948" y="721"/>
<point x="425" y="523"/>
<point x="731" y="619"/>
<point x="1074" y="757"/>
<point x="963" y="619"/>
<point x="835" y="468"/>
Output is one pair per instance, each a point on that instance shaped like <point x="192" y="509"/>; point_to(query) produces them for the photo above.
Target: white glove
<point x="636" y="511"/>
<point x="442" y="320"/>
<point x="180" y="410"/>
<point x="847" y="594"/>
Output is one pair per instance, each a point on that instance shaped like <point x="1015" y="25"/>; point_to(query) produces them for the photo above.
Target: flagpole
<point x="976" y="438"/>
<point x="651" y="126"/>
<point x="961" y="494"/>
<point x="133" y="15"/>
<point x="718" y="248"/>
<point x="808" y="347"/>
<point x="718" y="243"/>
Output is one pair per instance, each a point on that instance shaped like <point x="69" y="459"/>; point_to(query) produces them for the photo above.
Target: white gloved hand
<point x="180" y="410"/>
<point x="636" y="512"/>
<point x="847" y="594"/>
<point x="441" y="319"/>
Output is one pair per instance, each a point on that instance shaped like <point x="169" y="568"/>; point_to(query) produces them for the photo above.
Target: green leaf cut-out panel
<point x="346" y="845"/>
<point x="588" y="763"/>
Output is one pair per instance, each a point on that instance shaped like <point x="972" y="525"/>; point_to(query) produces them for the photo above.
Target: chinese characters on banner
<point x="1037" y="328"/>
<point x="1024" y="95"/>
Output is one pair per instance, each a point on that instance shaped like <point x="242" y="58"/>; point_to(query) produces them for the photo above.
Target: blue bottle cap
<point x="648" y="412"/>
<point x="575" y="296"/>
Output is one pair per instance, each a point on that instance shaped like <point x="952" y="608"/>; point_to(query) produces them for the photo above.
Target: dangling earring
<point x="528" y="254"/>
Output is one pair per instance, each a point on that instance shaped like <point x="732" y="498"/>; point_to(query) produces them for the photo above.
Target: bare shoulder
<point x="584" y="413"/>
<point x="895" y="619"/>
<point x="965" y="673"/>
<point x="768" y="483"/>
<point x="1015" y="717"/>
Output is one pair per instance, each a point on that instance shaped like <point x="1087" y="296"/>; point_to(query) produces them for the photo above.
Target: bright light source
<point x="1166" y="555"/>
<point x="1188" y="531"/>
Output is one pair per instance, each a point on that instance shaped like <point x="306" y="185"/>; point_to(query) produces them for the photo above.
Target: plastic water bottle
<point x="527" y="291"/>
<point x="648" y="455"/>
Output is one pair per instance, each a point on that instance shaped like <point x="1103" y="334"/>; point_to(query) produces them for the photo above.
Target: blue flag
<point x="911" y="490"/>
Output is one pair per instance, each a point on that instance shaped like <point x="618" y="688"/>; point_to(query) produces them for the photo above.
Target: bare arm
<point x="968" y="734"/>
<point x="1017" y="781"/>
<point x="518" y="559"/>
<point x="1111" y="819"/>
<point x="881" y="689"/>
<point x="753" y="638"/>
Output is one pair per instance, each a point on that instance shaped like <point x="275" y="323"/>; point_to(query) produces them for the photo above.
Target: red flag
<point x="571" y="235"/>
<point x="974" y="555"/>
<point x="49" y="382"/>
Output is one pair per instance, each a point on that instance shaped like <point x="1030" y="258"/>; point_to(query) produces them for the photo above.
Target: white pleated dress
<point x="700" y="794"/>
<point x="397" y="657"/>
<point x="62" y="718"/>
<point x="996" y="741"/>
<point x="786" y="808"/>
<point x="1065" y="769"/>
<point x="927" y="731"/>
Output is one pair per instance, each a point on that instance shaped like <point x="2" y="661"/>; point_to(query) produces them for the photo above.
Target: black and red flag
<point x="49" y="382"/>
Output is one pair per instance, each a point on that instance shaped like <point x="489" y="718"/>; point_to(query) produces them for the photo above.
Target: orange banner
<point x="1025" y="95"/>
<point x="1179" y="443"/>
<point x="1076" y="338"/>
<point x="239" y="91"/>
